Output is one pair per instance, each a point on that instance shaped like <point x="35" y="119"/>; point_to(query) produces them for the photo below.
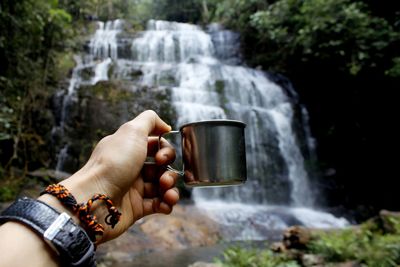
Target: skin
<point x="116" y="168"/>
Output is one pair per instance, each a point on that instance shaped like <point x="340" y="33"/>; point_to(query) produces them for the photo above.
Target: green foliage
<point x="97" y="9"/>
<point x="136" y="11"/>
<point x="367" y="245"/>
<point x="32" y="36"/>
<point x="240" y="257"/>
<point x="341" y="31"/>
<point x="8" y="188"/>
<point x="109" y="92"/>
<point x="282" y="33"/>
<point x="7" y="194"/>
<point x="64" y="63"/>
<point x="394" y="71"/>
<point x="339" y="246"/>
<point x="236" y="13"/>
<point x="370" y="244"/>
<point x="177" y="10"/>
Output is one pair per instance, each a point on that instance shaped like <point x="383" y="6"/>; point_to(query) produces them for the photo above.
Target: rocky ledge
<point x="186" y="227"/>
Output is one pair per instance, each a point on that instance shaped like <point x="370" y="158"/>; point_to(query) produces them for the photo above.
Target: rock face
<point x="178" y="232"/>
<point x="185" y="227"/>
<point x="98" y="111"/>
<point x="296" y="237"/>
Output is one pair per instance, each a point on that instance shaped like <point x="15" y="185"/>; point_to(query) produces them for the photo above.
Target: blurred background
<point x="314" y="80"/>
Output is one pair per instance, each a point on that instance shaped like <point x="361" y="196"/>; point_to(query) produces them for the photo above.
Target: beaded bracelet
<point x="92" y="226"/>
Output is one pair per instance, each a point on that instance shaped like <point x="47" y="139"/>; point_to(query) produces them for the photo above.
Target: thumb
<point x="149" y="123"/>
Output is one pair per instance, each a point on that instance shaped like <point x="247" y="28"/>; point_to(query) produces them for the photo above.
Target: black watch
<point x="70" y="241"/>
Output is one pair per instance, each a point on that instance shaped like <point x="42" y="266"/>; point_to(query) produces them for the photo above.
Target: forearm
<point x="20" y="246"/>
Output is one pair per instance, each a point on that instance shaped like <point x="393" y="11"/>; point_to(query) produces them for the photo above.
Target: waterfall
<point x="104" y="42"/>
<point x="207" y="84"/>
<point x="103" y="50"/>
<point x="206" y="78"/>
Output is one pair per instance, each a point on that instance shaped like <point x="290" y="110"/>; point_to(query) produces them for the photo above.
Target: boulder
<point x="311" y="260"/>
<point x="185" y="227"/>
<point x="390" y="221"/>
<point x="182" y="230"/>
<point x="296" y="237"/>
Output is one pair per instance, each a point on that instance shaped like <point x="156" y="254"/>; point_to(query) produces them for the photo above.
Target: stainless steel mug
<point x="213" y="153"/>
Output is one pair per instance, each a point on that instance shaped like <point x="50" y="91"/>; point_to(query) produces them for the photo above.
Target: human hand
<point x="116" y="168"/>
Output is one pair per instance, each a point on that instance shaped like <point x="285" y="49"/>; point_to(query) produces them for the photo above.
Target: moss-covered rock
<point x="100" y="109"/>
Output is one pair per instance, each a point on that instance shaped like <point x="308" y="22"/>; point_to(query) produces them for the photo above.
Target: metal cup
<point x="213" y="153"/>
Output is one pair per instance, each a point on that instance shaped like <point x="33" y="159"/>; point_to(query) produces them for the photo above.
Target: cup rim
<point x="216" y="121"/>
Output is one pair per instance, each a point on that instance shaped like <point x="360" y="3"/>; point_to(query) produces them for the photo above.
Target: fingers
<point x="149" y="122"/>
<point x="171" y="197"/>
<point x="155" y="205"/>
<point x="152" y="145"/>
<point x="168" y="180"/>
<point x="164" y="155"/>
<point x="165" y="206"/>
<point x="160" y="198"/>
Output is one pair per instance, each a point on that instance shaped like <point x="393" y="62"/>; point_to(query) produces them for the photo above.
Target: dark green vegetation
<point x="240" y="257"/>
<point x="342" y="56"/>
<point x="375" y="243"/>
<point x="33" y="35"/>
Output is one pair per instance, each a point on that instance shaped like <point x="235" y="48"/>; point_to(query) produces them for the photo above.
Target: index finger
<point x="149" y="123"/>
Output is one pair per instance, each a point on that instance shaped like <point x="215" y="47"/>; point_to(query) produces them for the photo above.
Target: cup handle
<point x="151" y="160"/>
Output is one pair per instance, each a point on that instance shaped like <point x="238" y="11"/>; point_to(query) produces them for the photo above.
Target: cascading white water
<point x="104" y="42"/>
<point x="103" y="49"/>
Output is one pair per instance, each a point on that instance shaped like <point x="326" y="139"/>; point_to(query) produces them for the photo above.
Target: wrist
<point x="58" y="206"/>
<point x="79" y="186"/>
<point x="77" y="196"/>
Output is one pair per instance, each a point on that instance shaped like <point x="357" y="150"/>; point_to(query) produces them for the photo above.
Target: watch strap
<point x="59" y="230"/>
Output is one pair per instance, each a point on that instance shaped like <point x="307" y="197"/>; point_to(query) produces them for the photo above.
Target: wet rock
<point x="296" y="237"/>
<point x="185" y="227"/>
<point x="98" y="110"/>
<point x="309" y="260"/>
<point x="278" y="247"/>
<point x="180" y="232"/>
<point x="389" y="221"/>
